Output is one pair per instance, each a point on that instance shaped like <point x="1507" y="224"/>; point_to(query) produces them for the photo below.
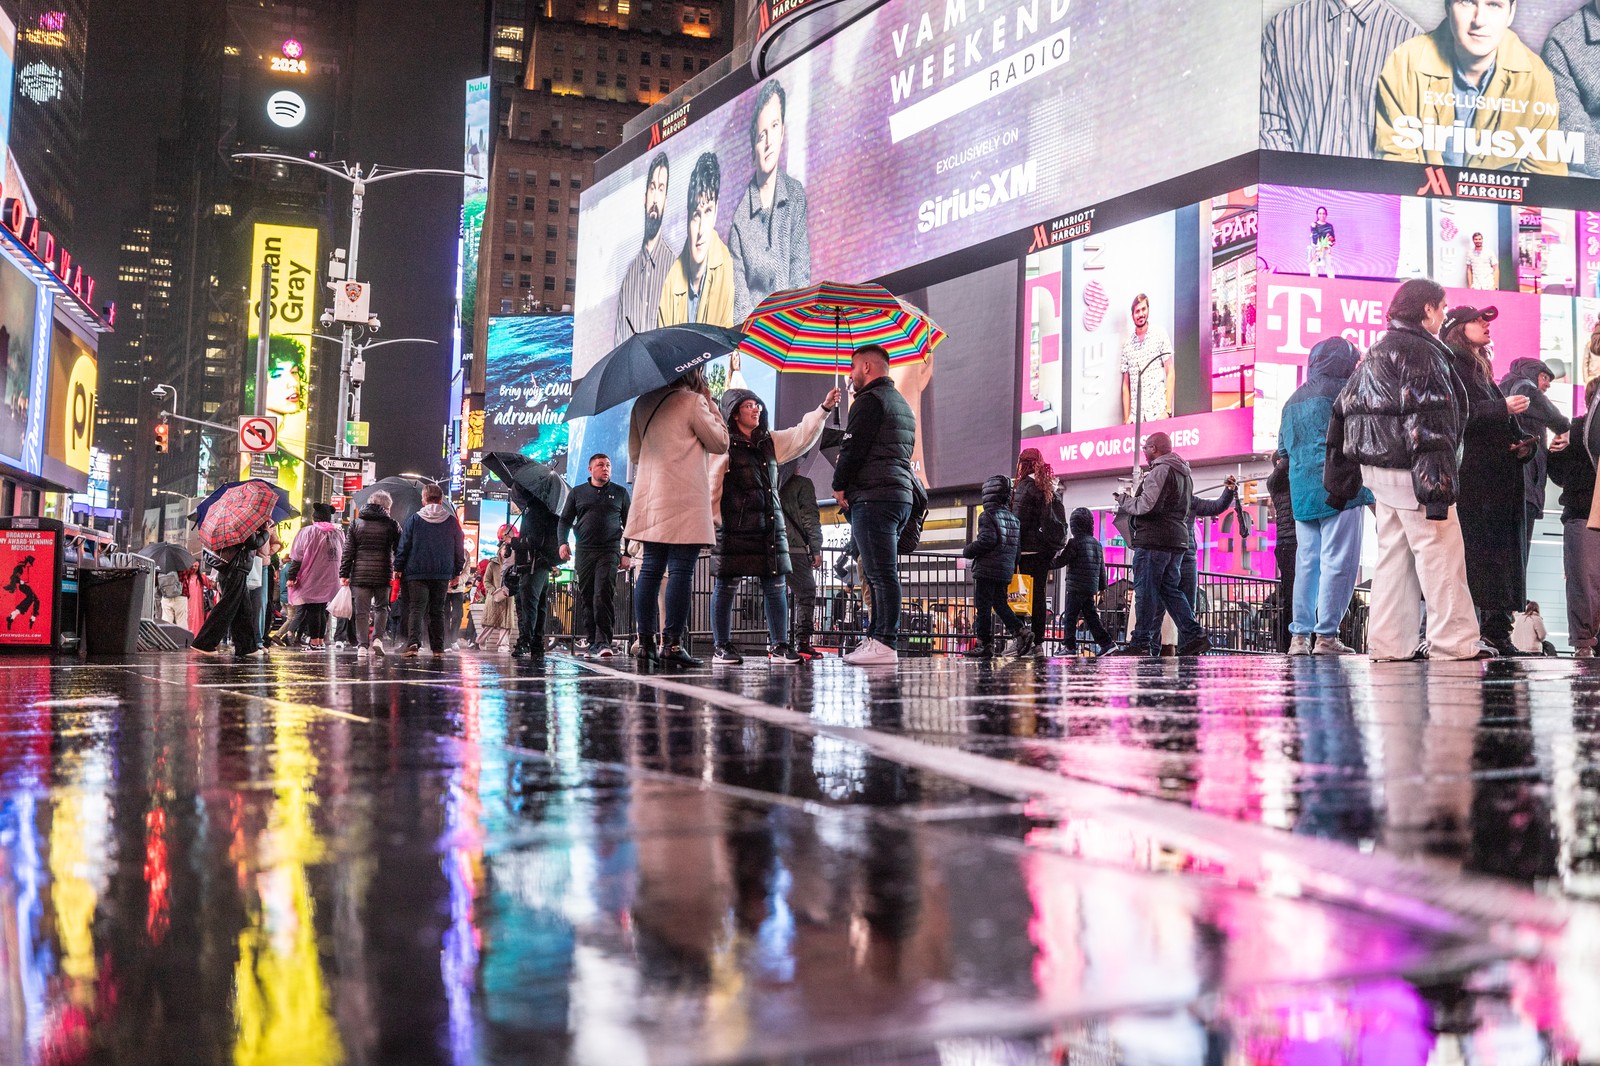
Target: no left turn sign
<point x="258" y="433"/>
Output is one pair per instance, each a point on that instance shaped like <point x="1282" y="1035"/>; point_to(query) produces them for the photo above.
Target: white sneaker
<point x="605" y="651"/>
<point x="873" y="653"/>
<point x="378" y="649"/>
<point x="1332" y="646"/>
<point x="362" y="653"/>
<point x="1299" y="644"/>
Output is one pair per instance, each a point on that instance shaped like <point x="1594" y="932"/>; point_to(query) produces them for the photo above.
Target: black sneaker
<point x="1024" y="643"/>
<point x="1198" y="646"/>
<point x="783" y="655"/>
<point x="1128" y="650"/>
<point x="726" y="655"/>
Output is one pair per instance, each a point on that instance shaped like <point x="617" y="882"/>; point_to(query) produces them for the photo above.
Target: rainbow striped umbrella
<point x="814" y="330"/>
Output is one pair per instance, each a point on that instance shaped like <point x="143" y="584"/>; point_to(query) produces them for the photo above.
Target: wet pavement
<point x="1224" y="860"/>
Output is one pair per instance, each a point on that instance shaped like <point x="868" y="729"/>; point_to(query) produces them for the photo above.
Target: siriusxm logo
<point x="1020" y="180"/>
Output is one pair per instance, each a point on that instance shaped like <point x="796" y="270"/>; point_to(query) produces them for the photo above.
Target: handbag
<point x="343" y="604"/>
<point x="911" y="535"/>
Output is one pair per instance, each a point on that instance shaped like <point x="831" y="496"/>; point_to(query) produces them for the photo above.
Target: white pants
<point x="1420" y="560"/>
<point x="175" y="610"/>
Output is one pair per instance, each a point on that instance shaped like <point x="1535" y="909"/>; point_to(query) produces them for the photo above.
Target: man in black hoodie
<point x="536" y="549"/>
<point x="1532" y="378"/>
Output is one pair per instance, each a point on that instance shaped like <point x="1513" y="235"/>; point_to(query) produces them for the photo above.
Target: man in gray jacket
<point x="1160" y="512"/>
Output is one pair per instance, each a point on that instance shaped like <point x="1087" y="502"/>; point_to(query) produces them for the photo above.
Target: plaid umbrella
<point x="813" y="330"/>
<point x="233" y="513"/>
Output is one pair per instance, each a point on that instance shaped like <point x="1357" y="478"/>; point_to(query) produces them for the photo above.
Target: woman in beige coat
<point x="499" y="608"/>
<point x="672" y="436"/>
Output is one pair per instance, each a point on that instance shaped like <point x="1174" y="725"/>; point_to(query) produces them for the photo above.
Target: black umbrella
<point x="406" y="492"/>
<point x="530" y="481"/>
<point x="168" y="557"/>
<point x="647" y="361"/>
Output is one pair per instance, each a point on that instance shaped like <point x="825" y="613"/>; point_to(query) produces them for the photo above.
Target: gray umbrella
<point x="168" y="557"/>
<point x="407" y="493"/>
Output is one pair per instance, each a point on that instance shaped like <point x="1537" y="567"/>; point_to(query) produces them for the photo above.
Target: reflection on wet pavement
<point x="1221" y="861"/>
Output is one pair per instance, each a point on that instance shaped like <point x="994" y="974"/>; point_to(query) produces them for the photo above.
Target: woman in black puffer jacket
<point x="751" y="538"/>
<point x="1044" y="534"/>
<point x="367" y="566"/>
<point x="1397" y="426"/>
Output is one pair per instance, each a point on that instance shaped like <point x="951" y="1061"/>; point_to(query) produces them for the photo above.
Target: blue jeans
<point x="676" y="561"/>
<point x="1327" y="562"/>
<point x="725" y="591"/>
<point x="876" y="527"/>
<point x="1158" y="590"/>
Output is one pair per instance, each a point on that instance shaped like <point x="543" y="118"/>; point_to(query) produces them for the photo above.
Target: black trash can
<point x="111" y="600"/>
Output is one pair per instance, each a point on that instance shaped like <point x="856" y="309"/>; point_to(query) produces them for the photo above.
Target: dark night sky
<point x="413" y="57"/>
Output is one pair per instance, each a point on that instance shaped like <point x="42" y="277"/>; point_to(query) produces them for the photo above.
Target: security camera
<point x="327" y="319"/>
<point x="358" y="371"/>
<point x="373" y="324"/>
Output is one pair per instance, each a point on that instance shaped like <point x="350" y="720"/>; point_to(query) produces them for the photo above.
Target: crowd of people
<point x="1451" y="462"/>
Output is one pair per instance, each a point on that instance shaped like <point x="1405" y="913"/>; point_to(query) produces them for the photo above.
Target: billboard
<point x="527" y="383"/>
<point x="1152" y="321"/>
<point x="1488" y="85"/>
<point x="292" y="251"/>
<point x="25" y="315"/>
<point x="28" y="596"/>
<point x="474" y="198"/>
<point x="286" y="110"/>
<point x="69" y="434"/>
<point x="921" y="129"/>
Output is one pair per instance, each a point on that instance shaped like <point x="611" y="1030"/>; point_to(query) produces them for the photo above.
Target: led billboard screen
<point x="292" y="251"/>
<point x="1153" y="320"/>
<point x="474" y="198"/>
<point x="69" y="434"/>
<point x="923" y="128"/>
<point x="1492" y="85"/>
<point x="25" y="313"/>
<point x="527" y="383"/>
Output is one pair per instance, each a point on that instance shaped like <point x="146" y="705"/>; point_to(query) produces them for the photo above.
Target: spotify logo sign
<point x="286" y="108"/>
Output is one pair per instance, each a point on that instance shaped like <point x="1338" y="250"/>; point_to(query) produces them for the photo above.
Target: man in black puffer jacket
<point x="994" y="560"/>
<point x="1396" y="428"/>
<point x="367" y="565"/>
<point x="873" y="482"/>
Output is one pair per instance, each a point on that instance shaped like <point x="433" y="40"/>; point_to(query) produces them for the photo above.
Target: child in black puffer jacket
<point x="1083" y="563"/>
<point x="994" y="556"/>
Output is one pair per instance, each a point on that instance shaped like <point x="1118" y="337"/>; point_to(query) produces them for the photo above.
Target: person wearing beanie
<point x="994" y="560"/>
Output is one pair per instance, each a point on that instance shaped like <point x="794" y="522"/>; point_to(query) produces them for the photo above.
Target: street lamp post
<point x="359" y="178"/>
<point x="162" y="390"/>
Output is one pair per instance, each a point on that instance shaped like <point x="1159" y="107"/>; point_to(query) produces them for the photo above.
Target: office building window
<point x="644" y="85"/>
<point x="511" y="201"/>
<point x="688" y="64"/>
<point x="505" y="306"/>
<point x="549" y="283"/>
<point x="505" y="281"/>
<point x="527" y="229"/>
<point x="644" y="59"/>
<point x="600" y="52"/>
<point x="511" y="229"/>
<point x="528" y="202"/>
<point x="555" y="205"/>
<point x="549" y="233"/>
<point x="555" y="181"/>
<point x="514" y="176"/>
<point x="622" y="81"/>
<point x="527" y="281"/>
<point x="572" y="284"/>
<point x="666" y="61"/>
<point x="574" y="182"/>
<point x="550" y="258"/>
<point x="577" y="78"/>
<point x="510" y="257"/>
<point x="666" y="86"/>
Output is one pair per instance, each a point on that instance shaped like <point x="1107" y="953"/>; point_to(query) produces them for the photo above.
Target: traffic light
<point x="162" y="429"/>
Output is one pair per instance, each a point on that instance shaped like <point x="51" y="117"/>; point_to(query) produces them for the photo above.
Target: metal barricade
<point x="1239" y="611"/>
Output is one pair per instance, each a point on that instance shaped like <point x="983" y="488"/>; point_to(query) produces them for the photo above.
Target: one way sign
<point x="330" y="464"/>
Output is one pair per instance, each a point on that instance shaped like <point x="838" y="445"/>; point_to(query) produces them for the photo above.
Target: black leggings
<point x="1037" y="566"/>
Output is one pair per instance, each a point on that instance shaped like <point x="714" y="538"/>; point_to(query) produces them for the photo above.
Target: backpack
<point x="169" y="584"/>
<point x="1053" y="525"/>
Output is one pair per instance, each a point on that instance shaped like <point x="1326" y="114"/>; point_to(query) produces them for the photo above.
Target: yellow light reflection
<point x="280" y="995"/>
